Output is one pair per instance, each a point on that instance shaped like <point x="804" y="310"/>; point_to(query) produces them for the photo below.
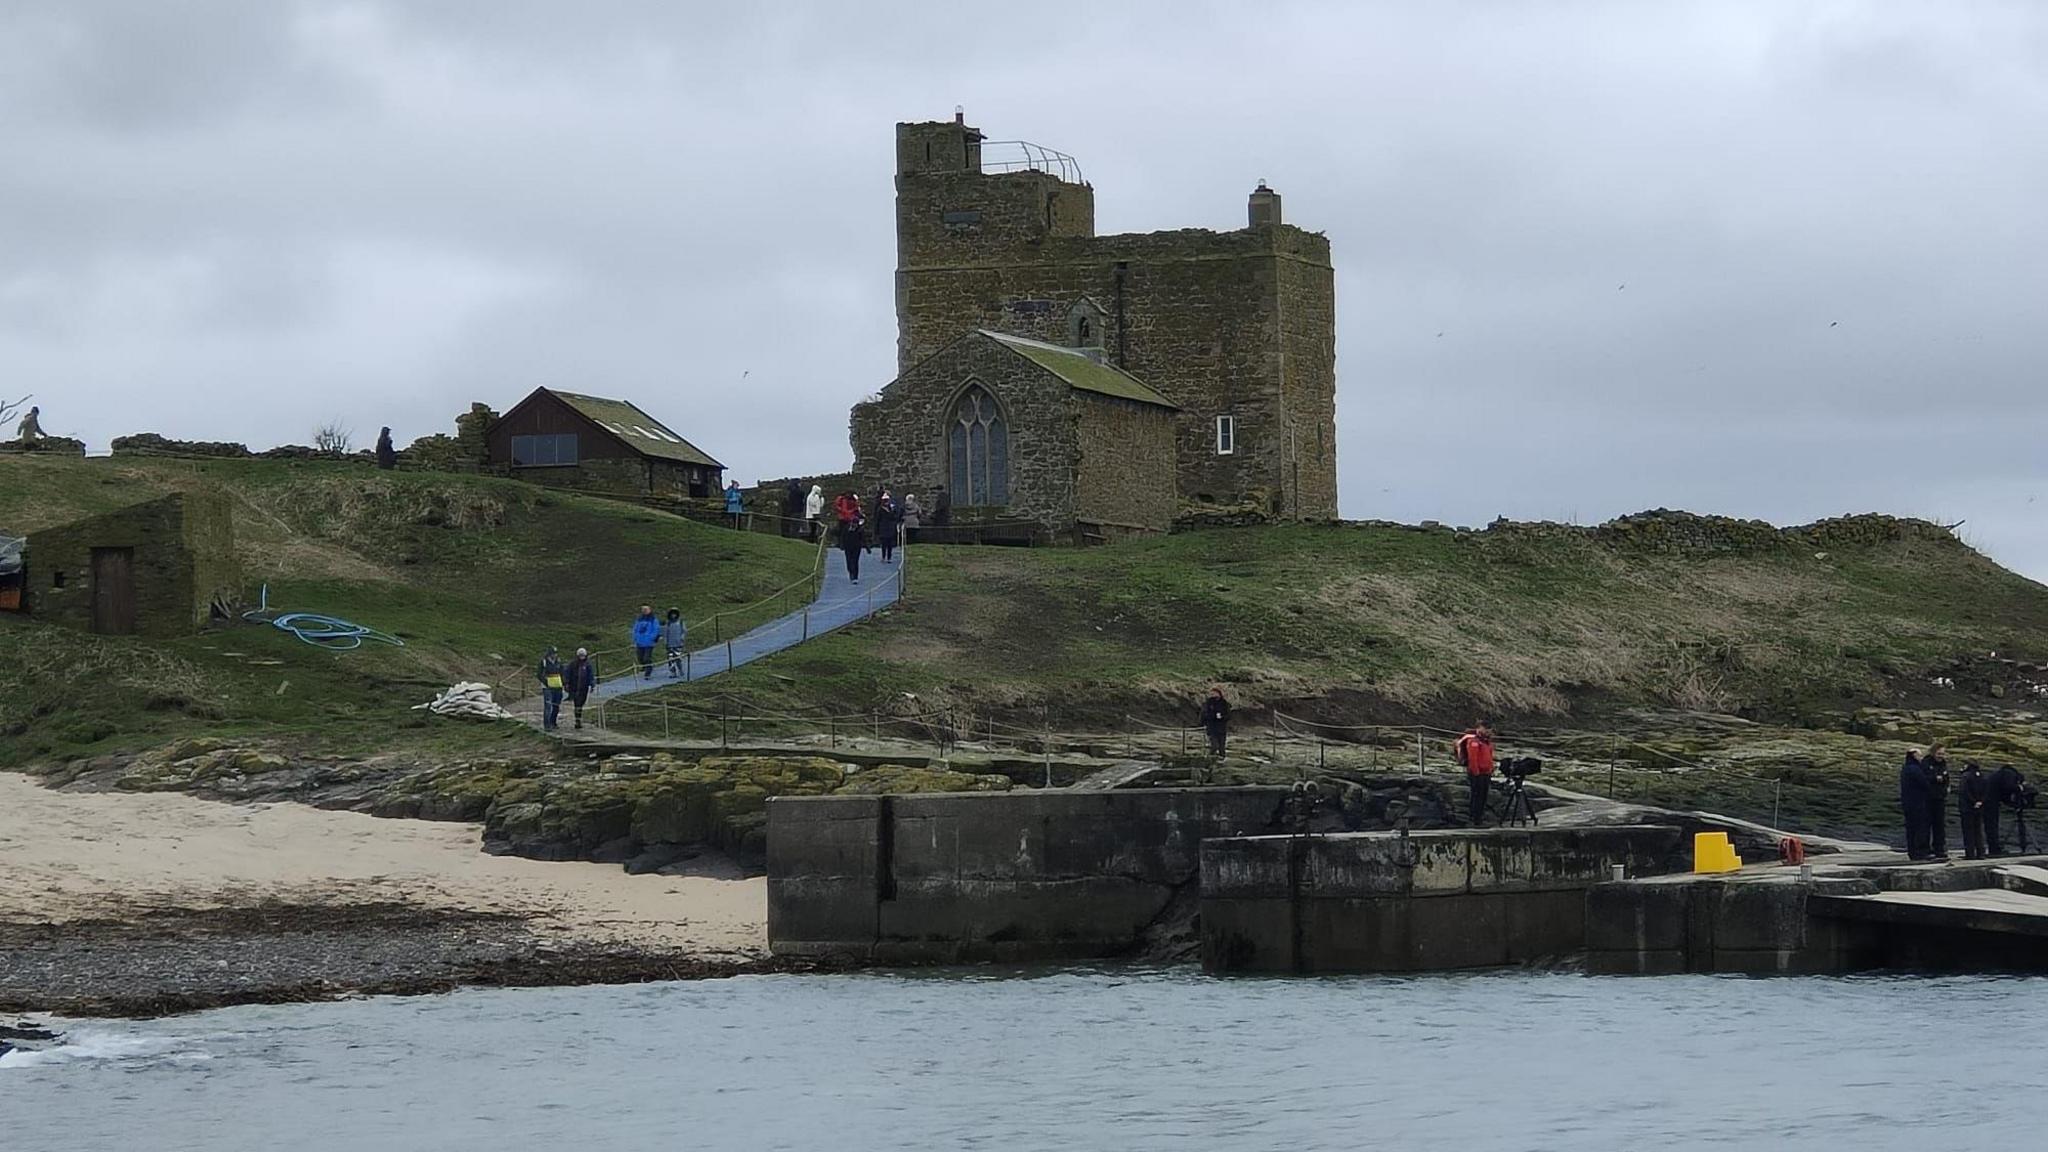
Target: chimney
<point x="1263" y="211"/>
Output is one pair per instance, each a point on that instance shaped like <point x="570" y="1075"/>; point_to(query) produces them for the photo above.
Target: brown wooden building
<point x="570" y="440"/>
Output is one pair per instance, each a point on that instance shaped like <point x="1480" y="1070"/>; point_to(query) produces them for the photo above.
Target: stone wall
<point x="184" y="556"/>
<point x="899" y="439"/>
<point x="1013" y="876"/>
<point x="1378" y="902"/>
<point x="1125" y="478"/>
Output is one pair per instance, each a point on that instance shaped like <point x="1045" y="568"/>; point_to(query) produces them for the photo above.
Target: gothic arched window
<point x="979" y="445"/>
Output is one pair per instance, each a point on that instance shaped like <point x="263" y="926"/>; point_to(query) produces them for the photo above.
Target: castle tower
<point x="1236" y="328"/>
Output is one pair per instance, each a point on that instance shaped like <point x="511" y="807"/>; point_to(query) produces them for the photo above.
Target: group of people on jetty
<point x="1924" y="787"/>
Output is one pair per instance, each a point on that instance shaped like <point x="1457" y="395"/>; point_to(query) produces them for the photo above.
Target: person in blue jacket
<point x="1916" y="803"/>
<point x="646" y="634"/>
<point x="733" y="505"/>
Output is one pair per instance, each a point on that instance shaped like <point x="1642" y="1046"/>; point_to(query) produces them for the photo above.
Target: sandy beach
<point x="88" y="881"/>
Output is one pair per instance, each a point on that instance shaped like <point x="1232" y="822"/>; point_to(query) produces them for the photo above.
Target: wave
<point x="85" y="1044"/>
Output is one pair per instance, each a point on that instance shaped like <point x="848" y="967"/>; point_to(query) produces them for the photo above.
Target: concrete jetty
<point x="1855" y="913"/>
<point x="1388" y="902"/>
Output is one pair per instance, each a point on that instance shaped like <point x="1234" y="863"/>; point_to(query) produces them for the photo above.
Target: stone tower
<point x="1236" y="328"/>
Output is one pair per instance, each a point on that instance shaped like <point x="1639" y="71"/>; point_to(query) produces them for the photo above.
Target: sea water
<point x="1110" y="1059"/>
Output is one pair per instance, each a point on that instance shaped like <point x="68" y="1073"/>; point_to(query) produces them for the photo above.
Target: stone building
<point x="1021" y="429"/>
<point x="155" y="568"/>
<point x="1236" y="330"/>
<point x="569" y="440"/>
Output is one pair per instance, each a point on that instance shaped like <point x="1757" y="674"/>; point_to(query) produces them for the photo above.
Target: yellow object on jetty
<point x="1713" y="852"/>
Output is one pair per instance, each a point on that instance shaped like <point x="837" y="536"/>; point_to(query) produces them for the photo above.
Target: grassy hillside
<point x="1384" y="623"/>
<point x="474" y="574"/>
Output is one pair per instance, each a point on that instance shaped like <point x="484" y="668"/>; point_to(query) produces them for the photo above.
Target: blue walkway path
<point x="840" y="602"/>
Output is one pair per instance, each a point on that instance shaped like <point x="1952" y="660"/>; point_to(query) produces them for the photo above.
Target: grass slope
<point x="475" y="574"/>
<point x="1383" y="623"/>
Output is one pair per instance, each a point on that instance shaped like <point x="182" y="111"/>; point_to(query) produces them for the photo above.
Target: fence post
<point x="739" y="719"/>
<point x="1276" y="736"/>
<point x="721" y="722"/>
<point x="1611" y="750"/>
<point x="833" y="725"/>
<point x="1319" y="753"/>
<point x="807" y="623"/>
<point x="728" y="655"/>
<point x="1777" y="789"/>
<point x="664" y="720"/>
<point x="878" y="723"/>
<point x="688" y="672"/>
<point x="1418" y="751"/>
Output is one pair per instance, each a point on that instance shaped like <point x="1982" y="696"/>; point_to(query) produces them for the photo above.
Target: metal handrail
<point x="1029" y="157"/>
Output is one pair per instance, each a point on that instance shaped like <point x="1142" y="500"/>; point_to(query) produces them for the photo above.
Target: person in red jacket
<point x="1475" y="754"/>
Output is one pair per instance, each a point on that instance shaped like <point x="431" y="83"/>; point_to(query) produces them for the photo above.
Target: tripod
<point x="1517" y="807"/>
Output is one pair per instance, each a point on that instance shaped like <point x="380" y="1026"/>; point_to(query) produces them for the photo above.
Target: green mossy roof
<point x="1077" y="369"/>
<point x="636" y="429"/>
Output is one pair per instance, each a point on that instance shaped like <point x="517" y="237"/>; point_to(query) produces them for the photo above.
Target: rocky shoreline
<point x="165" y="962"/>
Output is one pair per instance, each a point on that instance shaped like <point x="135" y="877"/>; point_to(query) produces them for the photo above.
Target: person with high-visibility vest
<point x="550" y="674"/>
<point x="1475" y="753"/>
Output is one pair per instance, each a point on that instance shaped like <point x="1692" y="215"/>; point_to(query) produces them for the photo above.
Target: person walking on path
<point x="851" y="524"/>
<point x="735" y="504"/>
<point x="550" y="674"/>
<point x="793" y="509"/>
<point x="673" y="633"/>
<point x="1937" y="806"/>
<point x="1916" y="793"/>
<point x="1475" y="754"/>
<point x="646" y="634"/>
<point x="1973" y="797"/>
<point x="886" y="520"/>
<point x="814" y="512"/>
<point x="913" y="515"/>
<point x="578" y="680"/>
<point x="1216" y="719"/>
<point x="387" y="456"/>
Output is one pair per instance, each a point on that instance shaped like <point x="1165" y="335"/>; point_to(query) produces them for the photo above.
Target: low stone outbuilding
<point x="154" y="569"/>
<point x="571" y="440"/>
<point x="1020" y="430"/>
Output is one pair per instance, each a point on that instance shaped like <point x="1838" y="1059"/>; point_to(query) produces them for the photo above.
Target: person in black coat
<point x="793" y="509"/>
<point x="1216" y="719"/>
<point x="1974" y="804"/>
<point x="387" y="456"/>
<point x="887" y="519"/>
<point x="1937" y="806"/>
<point x="1916" y="796"/>
<point x="2005" y="790"/>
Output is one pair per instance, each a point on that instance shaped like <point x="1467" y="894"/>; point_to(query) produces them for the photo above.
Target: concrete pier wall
<point x="1871" y="919"/>
<point x="1378" y="902"/>
<point x="1015" y="876"/>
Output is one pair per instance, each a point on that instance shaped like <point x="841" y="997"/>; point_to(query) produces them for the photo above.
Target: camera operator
<point x="1975" y="808"/>
<point x="1475" y="754"/>
<point x="2008" y="789"/>
<point x="1937" y="808"/>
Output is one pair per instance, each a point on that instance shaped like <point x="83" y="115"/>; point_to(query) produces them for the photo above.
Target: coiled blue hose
<point x="332" y="632"/>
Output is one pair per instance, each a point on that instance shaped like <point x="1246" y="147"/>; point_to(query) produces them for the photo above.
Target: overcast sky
<point x="1777" y="260"/>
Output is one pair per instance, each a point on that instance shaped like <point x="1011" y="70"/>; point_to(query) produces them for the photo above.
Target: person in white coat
<point x="814" y="509"/>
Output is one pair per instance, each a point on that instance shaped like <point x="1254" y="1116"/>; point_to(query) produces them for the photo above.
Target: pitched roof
<point x="1080" y="371"/>
<point x="636" y="429"/>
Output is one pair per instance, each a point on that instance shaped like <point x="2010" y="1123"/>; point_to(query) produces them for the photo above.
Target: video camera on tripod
<point x="1517" y="770"/>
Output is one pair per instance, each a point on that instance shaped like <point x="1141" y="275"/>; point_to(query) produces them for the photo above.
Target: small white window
<point x="1226" y="435"/>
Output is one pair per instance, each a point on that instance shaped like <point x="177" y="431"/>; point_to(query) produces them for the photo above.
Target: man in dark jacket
<point x="793" y="509"/>
<point x="1937" y="807"/>
<point x="1916" y="797"/>
<point x="942" y="509"/>
<point x="578" y="679"/>
<point x="1216" y="719"/>
<point x="2006" y="785"/>
<point x="387" y="456"/>
<point x="887" y="517"/>
<point x="550" y="675"/>
<point x="1973" y="797"/>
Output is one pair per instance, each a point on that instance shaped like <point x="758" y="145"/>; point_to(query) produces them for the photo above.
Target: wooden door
<point x="113" y="591"/>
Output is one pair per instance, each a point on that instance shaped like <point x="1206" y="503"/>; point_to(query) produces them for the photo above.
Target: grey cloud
<point x="1762" y="259"/>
